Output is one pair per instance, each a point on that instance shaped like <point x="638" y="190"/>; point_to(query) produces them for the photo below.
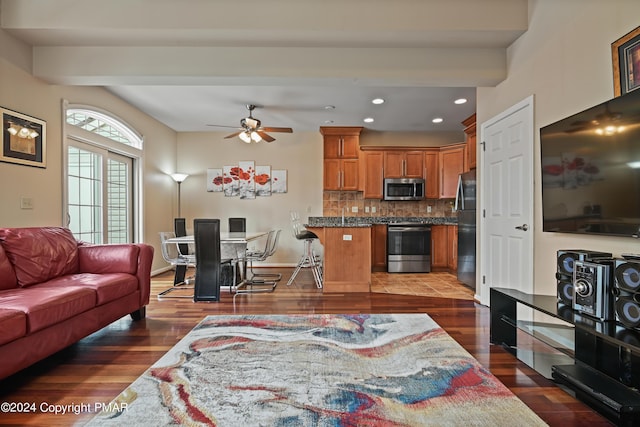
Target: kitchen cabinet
<point x="452" y="164"/>
<point x="444" y="247"/>
<point x="341" y="142"/>
<point x="470" y="133"/>
<point x="347" y="258"/>
<point x="341" y="174"/>
<point x="403" y="164"/>
<point x="431" y="177"/>
<point x="379" y="247"/>
<point x="372" y="164"/>
<point x="341" y="152"/>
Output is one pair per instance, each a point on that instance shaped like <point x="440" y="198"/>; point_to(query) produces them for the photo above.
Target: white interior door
<point x="506" y="248"/>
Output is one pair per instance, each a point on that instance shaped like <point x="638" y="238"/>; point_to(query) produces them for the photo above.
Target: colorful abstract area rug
<point x="318" y="370"/>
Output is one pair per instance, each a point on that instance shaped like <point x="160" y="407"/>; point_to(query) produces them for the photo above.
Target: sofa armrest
<point x="133" y="258"/>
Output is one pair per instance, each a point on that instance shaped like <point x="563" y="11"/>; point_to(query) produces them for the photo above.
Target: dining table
<point x="233" y="245"/>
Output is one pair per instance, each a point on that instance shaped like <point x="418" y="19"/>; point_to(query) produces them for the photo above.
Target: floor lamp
<point x="179" y="177"/>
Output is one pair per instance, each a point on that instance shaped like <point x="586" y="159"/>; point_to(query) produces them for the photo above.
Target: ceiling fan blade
<point x="223" y="126"/>
<point x="233" y="135"/>
<point x="276" y="129"/>
<point x="265" y="136"/>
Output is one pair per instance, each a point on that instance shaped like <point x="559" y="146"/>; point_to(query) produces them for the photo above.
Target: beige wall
<point x="299" y="153"/>
<point x="564" y="60"/>
<point x="23" y="93"/>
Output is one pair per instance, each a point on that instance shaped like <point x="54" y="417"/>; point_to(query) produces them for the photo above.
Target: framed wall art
<point x="23" y="139"/>
<point x="625" y="54"/>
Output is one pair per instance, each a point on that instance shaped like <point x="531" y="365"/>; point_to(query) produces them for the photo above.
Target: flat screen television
<point x="591" y="170"/>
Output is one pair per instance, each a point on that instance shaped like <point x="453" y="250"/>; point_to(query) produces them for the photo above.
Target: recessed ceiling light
<point x="329" y="107"/>
<point x="378" y="101"/>
<point x="328" y="122"/>
<point x="368" y="120"/>
<point x="460" y="101"/>
<point x="438" y="120"/>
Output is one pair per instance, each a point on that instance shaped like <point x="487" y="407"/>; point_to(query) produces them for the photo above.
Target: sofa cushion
<point x="114" y="258"/>
<point x="13" y="325"/>
<point x="40" y="253"/>
<point x="47" y="305"/>
<point x="108" y="287"/>
<point x="7" y="274"/>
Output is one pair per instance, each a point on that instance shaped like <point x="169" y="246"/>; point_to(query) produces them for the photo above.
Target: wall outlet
<point x="354" y="209"/>
<point x="428" y="209"/>
<point x="366" y="209"/>
<point x="346" y="237"/>
<point x="26" y="203"/>
<point x="373" y="209"/>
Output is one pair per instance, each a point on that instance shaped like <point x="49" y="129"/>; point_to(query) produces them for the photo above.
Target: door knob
<point x="523" y="227"/>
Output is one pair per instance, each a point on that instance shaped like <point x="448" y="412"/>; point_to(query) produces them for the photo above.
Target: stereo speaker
<point x="566" y="259"/>
<point x="626" y="291"/>
<point x="592" y="288"/>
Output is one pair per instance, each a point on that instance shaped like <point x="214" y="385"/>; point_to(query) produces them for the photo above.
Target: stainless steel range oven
<point x="408" y="248"/>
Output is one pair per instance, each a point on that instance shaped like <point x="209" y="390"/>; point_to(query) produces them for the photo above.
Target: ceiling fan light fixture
<point x="256" y="136"/>
<point x="245" y="137"/>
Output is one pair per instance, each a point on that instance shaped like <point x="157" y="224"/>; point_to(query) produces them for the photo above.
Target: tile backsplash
<point x="334" y="201"/>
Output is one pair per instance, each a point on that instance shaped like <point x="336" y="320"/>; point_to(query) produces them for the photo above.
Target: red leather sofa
<point x="55" y="291"/>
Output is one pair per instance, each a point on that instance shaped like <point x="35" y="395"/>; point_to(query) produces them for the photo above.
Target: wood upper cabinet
<point x="341" y="152"/>
<point x="470" y="131"/>
<point x="432" y="174"/>
<point x="452" y="164"/>
<point x="372" y="163"/>
<point x="341" y="142"/>
<point x="341" y="174"/>
<point x="403" y="164"/>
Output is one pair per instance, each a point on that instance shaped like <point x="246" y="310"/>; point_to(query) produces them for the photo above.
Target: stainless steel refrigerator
<point x="465" y="205"/>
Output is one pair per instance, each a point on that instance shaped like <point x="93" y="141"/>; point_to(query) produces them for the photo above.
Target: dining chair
<point x="260" y="282"/>
<point x="171" y="254"/>
<point x="180" y="229"/>
<point x="308" y="259"/>
<point x="209" y="264"/>
<point x="237" y="225"/>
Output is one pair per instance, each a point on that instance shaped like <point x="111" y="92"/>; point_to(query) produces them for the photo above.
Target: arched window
<point x="102" y="174"/>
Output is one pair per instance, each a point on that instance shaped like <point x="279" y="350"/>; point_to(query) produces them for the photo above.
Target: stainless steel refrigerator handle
<point x="459" y="195"/>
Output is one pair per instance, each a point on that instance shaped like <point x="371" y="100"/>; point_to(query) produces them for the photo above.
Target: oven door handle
<point x="398" y="229"/>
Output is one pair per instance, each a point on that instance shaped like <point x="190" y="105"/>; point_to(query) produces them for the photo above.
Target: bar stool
<point x="308" y="259"/>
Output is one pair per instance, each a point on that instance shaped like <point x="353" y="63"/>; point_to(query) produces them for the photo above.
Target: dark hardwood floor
<point x="98" y="368"/>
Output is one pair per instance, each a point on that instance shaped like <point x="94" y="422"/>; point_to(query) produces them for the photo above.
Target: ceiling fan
<point x="251" y="129"/>
<point x="606" y="123"/>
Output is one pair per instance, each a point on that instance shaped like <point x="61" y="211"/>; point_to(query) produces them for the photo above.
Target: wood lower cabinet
<point x="444" y="248"/>
<point x="379" y="247"/>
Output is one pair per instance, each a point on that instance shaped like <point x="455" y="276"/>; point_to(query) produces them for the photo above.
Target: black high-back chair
<point x="206" y="233"/>
<point x="180" y="229"/>
<point x="237" y="225"/>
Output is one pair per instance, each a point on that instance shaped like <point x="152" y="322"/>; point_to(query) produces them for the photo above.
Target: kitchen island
<point x="347" y="256"/>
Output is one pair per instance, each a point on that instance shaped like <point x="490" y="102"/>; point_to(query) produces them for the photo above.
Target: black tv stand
<point x="601" y="366"/>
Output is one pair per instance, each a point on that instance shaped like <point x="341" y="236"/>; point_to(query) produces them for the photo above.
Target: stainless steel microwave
<point x="403" y="189"/>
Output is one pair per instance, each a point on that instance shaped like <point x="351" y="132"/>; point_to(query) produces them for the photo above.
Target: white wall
<point x="564" y="60"/>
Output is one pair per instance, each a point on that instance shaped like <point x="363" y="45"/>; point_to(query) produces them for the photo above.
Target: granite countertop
<point x="366" y="221"/>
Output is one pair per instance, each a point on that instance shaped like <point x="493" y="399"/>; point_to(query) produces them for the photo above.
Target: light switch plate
<point x="428" y="209"/>
<point x="354" y="209"/>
